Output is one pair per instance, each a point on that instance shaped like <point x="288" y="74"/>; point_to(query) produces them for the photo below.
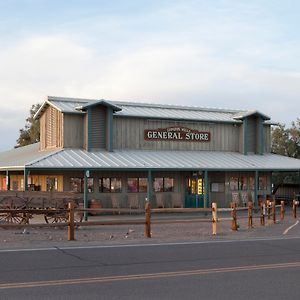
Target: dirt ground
<point x="29" y="237"/>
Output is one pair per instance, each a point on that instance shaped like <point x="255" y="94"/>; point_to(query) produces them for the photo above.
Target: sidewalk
<point x="134" y="234"/>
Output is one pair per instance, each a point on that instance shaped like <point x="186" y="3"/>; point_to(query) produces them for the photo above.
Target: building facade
<point x="120" y="153"/>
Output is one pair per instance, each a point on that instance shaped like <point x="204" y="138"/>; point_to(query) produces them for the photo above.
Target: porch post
<point x="149" y="187"/>
<point x="85" y="193"/>
<point x="206" y="199"/>
<point x="7" y="181"/>
<point x="26" y="174"/>
<point x="256" y="189"/>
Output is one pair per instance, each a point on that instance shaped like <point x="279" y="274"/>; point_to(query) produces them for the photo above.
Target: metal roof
<point x="146" y="110"/>
<point x="16" y="159"/>
<point x="31" y="158"/>
<point x="168" y="160"/>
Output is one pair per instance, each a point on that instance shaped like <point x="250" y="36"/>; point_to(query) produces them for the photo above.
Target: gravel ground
<point x="128" y="234"/>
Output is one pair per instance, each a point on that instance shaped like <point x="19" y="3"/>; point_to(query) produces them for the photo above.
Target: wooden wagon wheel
<point x="13" y="217"/>
<point x="60" y="217"/>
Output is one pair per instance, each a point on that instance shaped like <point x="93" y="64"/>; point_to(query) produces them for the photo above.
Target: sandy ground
<point x="127" y="234"/>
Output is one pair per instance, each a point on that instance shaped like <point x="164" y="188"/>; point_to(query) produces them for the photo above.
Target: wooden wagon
<point x="52" y="205"/>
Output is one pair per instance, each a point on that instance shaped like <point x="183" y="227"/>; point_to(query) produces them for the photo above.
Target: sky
<point x="208" y="53"/>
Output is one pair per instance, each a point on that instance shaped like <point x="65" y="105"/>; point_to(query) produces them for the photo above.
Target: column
<point x="206" y="189"/>
<point x="149" y="188"/>
<point x="85" y="193"/>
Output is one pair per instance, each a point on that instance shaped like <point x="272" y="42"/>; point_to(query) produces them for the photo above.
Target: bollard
<point x="282" y="210"/>
<point x="269" y="209"/>
<point x="295" y="203"/>
<point x="214" y="218"/>
<point x="274" y="211"/>
<point x="71" y="225"/>
<point x="233" y="215"/>
<point x="262" y="213"/>
<point x="147" y="220"/>
<point x="250" y="214"/>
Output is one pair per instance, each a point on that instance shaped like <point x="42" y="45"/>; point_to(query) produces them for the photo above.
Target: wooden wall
<point x="97" y="127"/>
<point x="73" y="131"/>
<point x="128" y="133"/>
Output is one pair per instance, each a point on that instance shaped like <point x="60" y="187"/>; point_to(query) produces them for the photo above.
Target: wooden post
<point x="233" y="215"/>
<point x="250" y="214"/>
<point x="274" y="211"/>
<point x="262" y="213"/>
<point x="71" y="226"/>
<point x="282" y="210"/>
<point x="268" y="209"/>
<point x="147" y="220"/>
<point x="214" y="218"/>
<point x="294" y="209"/>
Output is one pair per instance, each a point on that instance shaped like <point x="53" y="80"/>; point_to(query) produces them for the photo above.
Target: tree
<point x="30" y="134"/>
<point x="286" y="141"/>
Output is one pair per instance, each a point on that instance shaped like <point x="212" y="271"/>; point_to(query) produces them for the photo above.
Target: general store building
<point x="120" y="153"/>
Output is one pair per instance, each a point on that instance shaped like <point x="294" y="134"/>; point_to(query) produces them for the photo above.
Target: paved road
<point x="268" y="268"/>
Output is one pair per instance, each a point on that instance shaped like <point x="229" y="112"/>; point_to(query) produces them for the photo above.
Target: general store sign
<point x="176" y="134"/>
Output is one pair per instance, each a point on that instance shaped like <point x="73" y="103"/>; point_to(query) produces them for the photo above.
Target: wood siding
<point x="128" y="133"/>
<point x="51" y="129"/>
<point x="267" y="138"/>
<point x="252" y="134"/>
<point x="97" y="130"/>
<point x="73" y="131"/>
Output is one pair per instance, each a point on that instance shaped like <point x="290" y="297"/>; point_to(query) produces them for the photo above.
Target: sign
<point x="176" y="134"/>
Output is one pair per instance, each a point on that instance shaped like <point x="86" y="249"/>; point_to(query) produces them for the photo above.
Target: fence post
<point x="268" y="209"/>
<point x="214" y="218"/>
<point x="250" y="214"/>
<point x="262" y="213"/>
<point x="147" y="220"/>
<point x="233" y="215"/>
<point x="71" y="221"/>
<point x="282" y="210"/>
<point x="274" y="211"/>
<point x="294" y="209"/>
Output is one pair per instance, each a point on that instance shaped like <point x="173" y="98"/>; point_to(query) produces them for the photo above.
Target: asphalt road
<point x="268" y="269"/>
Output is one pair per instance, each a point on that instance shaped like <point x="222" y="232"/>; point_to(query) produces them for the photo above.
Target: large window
<point x="110" y="185"/>
<point x="163" y="184"/>
<point x="234" y="183"/>
<point x="77" y="185"/>
<point x="136" y="184"/>
<point x="262" y="183"/>
<point x="243" y="183"/>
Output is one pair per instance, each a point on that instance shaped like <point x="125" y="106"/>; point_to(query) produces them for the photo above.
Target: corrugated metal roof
<point x="19" y="157"/>
<point x="178" y="160"/>
<point x="31" y="157"/>
<point x="146" y="110"/>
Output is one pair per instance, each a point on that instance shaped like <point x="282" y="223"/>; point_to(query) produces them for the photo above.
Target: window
<point x="251" y="183"/>
<point x="163" y="184"/>
<point x="132" y="185"/>
<point x="136" y="184"/>
<point x="243" y="183"/>
<point x="262" y="183"/>
<point x="77" y="185"/>
<point x="110" y="185"/>
<point x="234" y="183"/>
<point x="51" y="184"/>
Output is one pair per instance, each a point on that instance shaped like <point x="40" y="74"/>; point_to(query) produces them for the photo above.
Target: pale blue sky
<point x="228" y="54"/>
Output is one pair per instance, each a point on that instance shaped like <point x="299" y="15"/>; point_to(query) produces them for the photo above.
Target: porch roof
<point x="31" y="158"/>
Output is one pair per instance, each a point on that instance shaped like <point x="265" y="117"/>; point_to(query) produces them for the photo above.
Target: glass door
<point x="194" y="191"/>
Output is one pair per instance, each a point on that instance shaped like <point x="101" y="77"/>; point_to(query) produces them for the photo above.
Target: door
<point x="194" y="191"/>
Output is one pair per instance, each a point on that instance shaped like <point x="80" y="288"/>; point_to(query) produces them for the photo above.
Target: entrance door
<point x="194" y="192"/>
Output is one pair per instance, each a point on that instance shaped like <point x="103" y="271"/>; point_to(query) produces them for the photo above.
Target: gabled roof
<point x="243" y="115"/>
<point x="147" y="110"/>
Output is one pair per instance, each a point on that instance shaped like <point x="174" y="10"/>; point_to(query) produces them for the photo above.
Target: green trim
<point x="89" y="122"/>
<point x="109" y="129"/>
<point x="26" y="173"/>
<point x="256" y="190"/>
<point x="245" y="136"/>
<point x="85" y="194"/>
<point x="206" y="190"/>
<point x="260" y="136"/>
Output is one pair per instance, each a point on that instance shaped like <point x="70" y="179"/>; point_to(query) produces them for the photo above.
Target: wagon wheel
<point x="14" y="217"/>
<point x="62" y="217"/>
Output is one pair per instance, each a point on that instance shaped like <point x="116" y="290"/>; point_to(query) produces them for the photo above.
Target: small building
<point x="119" y="153"/>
